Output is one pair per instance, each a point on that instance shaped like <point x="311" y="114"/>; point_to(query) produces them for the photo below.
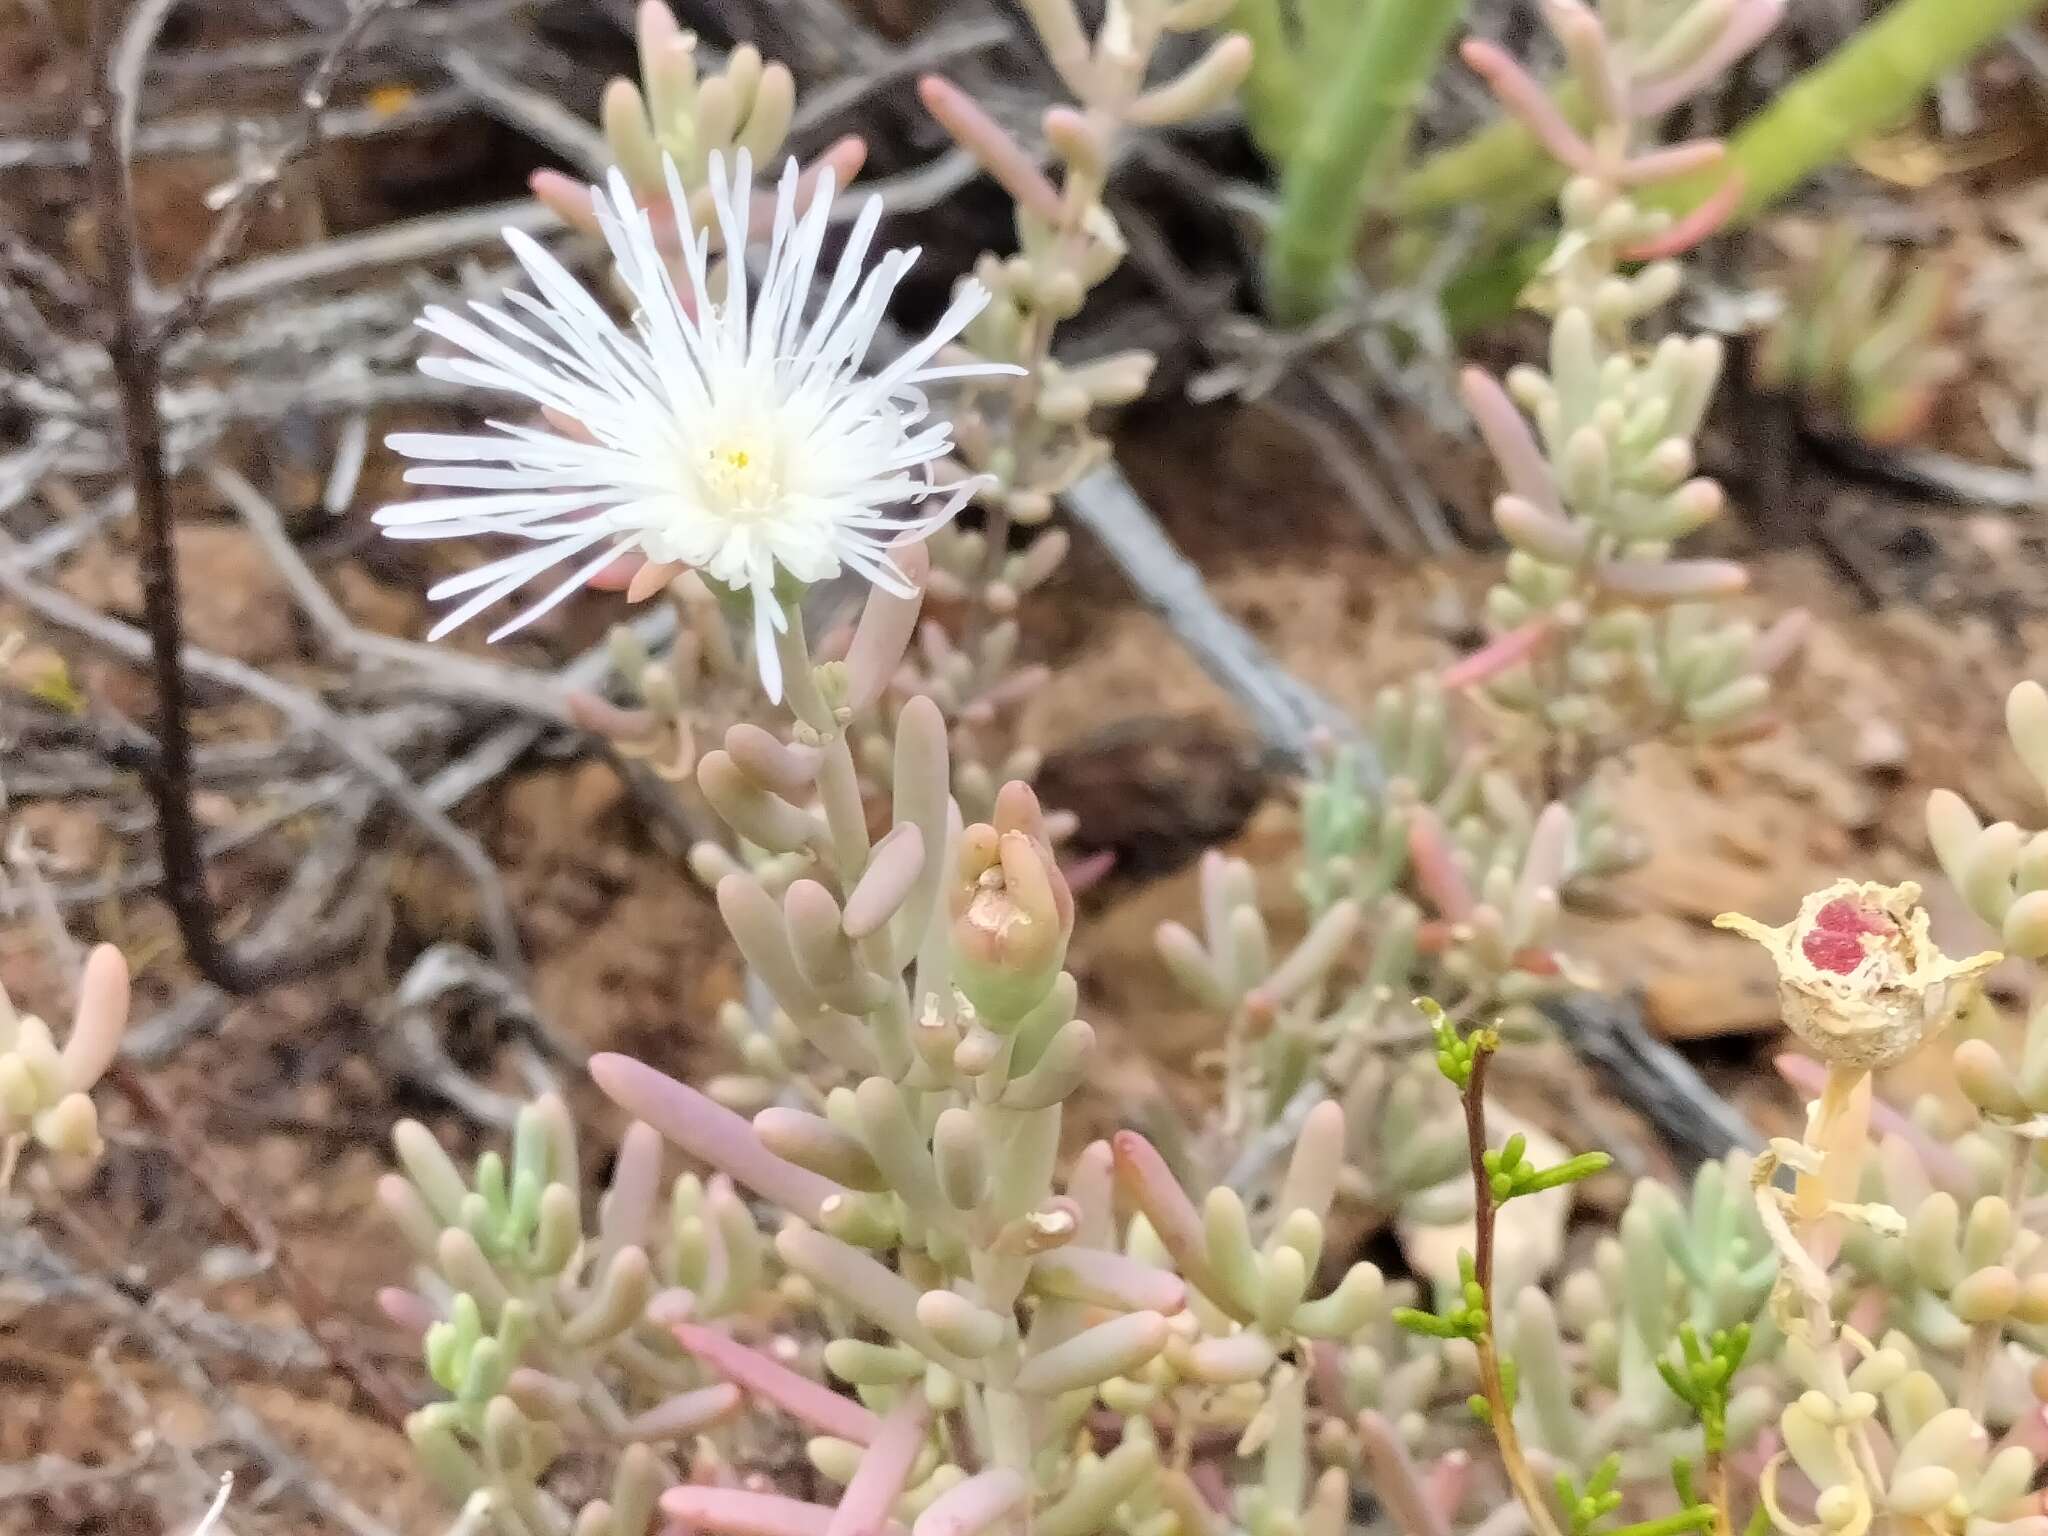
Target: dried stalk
<point x="135" y="351"/>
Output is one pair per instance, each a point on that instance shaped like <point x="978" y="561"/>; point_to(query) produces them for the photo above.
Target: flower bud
<point x="1012" y="911"/>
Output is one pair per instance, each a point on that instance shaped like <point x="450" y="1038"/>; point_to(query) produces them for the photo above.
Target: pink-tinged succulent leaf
<point x="686" y="1413"/>
<point x="788" y="768"/>
<point x="1106" y="1278"/>
<point x="410" y="1213"/>
<point x="1447" y="1482"/>
<point x="650" y="579"/>
<point x="672" y="1305"/>
<point x="991" y="145"/>
<point x="1204" y="85"/>
<point x="628" y="1203"/>
<point x="1209" y="1481"/>
<point x="1318" y="1160"/>
<point x="887" y="883"/>
<point x="1592" y="60"/>
<point x="1672" y="581"/>
<point x="1549" y="536"/>
<point x="1777" y="646"/>
<point x="1437" y="874"/>
<point x="1704" y="220"/>
<point x="601" y="717"/>
<point x="879" y="1480"/>
<point x="816" y="1405"/>
<point x="1114" y="1348"/>
<point x="843" y="158"/>
<point x="1509" y="439"/>
<point x="1088" y="871"/>
<point x="99" y="1020"/>
<point x="2029" y="1431"/>
<point x="887" y="623"/>
<point x="1671" y="162"/>
<point x="406" y="1309"/>
<point x="571" y="200"/>
<point x="1148" y="1184"/>
<point x="1436" y="936"/>
<point x="1181" y="1492"/>
<point x="1751" y="23"/>
<point x="542" y="1395"/>
<point x="1395" y="1478"/>
<point x="743" y="1512"/>
<point x="1497" y="655"/>
<point x="1550" y="846"/>
<point x="1091" y="1187"/>
<point x="980" y="1503"/>
<point x="1516" y="90"/>
<point x="1231" y="1359"/>
<point x="710" y="1132"/>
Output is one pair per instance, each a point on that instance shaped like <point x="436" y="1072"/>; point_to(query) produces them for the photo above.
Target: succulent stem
<point x="1346" y="145"/>
<point x="1492" y="1385"/>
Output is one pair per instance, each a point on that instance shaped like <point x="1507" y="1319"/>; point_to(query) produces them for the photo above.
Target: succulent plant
<point x="878" y="1244"/>
<point x="1860" y="342"/>
<point x="45" y="1088"/>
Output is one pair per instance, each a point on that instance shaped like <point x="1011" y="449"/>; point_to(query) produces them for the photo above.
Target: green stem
<point x="1717" y="1484"/>
<point x="1865" y="85"/>
<point x="1669" y="1525"/>
<point x="1501" y="160"/>
<point x="1272" y="92"/>
<point x="1349" y="138"/>
<point x="1009" y="1428"/>
<point x="1492" y="1380"/>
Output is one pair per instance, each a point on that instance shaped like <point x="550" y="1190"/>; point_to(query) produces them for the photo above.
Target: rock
<point x="1723" y="991"/>
<point x="1156" y="792"/>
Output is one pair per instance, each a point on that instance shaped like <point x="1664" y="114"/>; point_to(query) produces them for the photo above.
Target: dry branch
<point x="141" y="330"/>
<point x="307" y="713"/>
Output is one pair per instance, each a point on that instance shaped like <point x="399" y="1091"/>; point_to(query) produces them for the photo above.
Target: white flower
<point x="734" y="436"/>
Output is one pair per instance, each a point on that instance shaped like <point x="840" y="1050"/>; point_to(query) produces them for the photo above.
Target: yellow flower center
<point x="740" y="474"/>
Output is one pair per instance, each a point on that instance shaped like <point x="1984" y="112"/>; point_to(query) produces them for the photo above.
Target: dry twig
<point x="301" y="709"/>
<point x="135" y="352"/>
<point x="22" y="1249"/>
